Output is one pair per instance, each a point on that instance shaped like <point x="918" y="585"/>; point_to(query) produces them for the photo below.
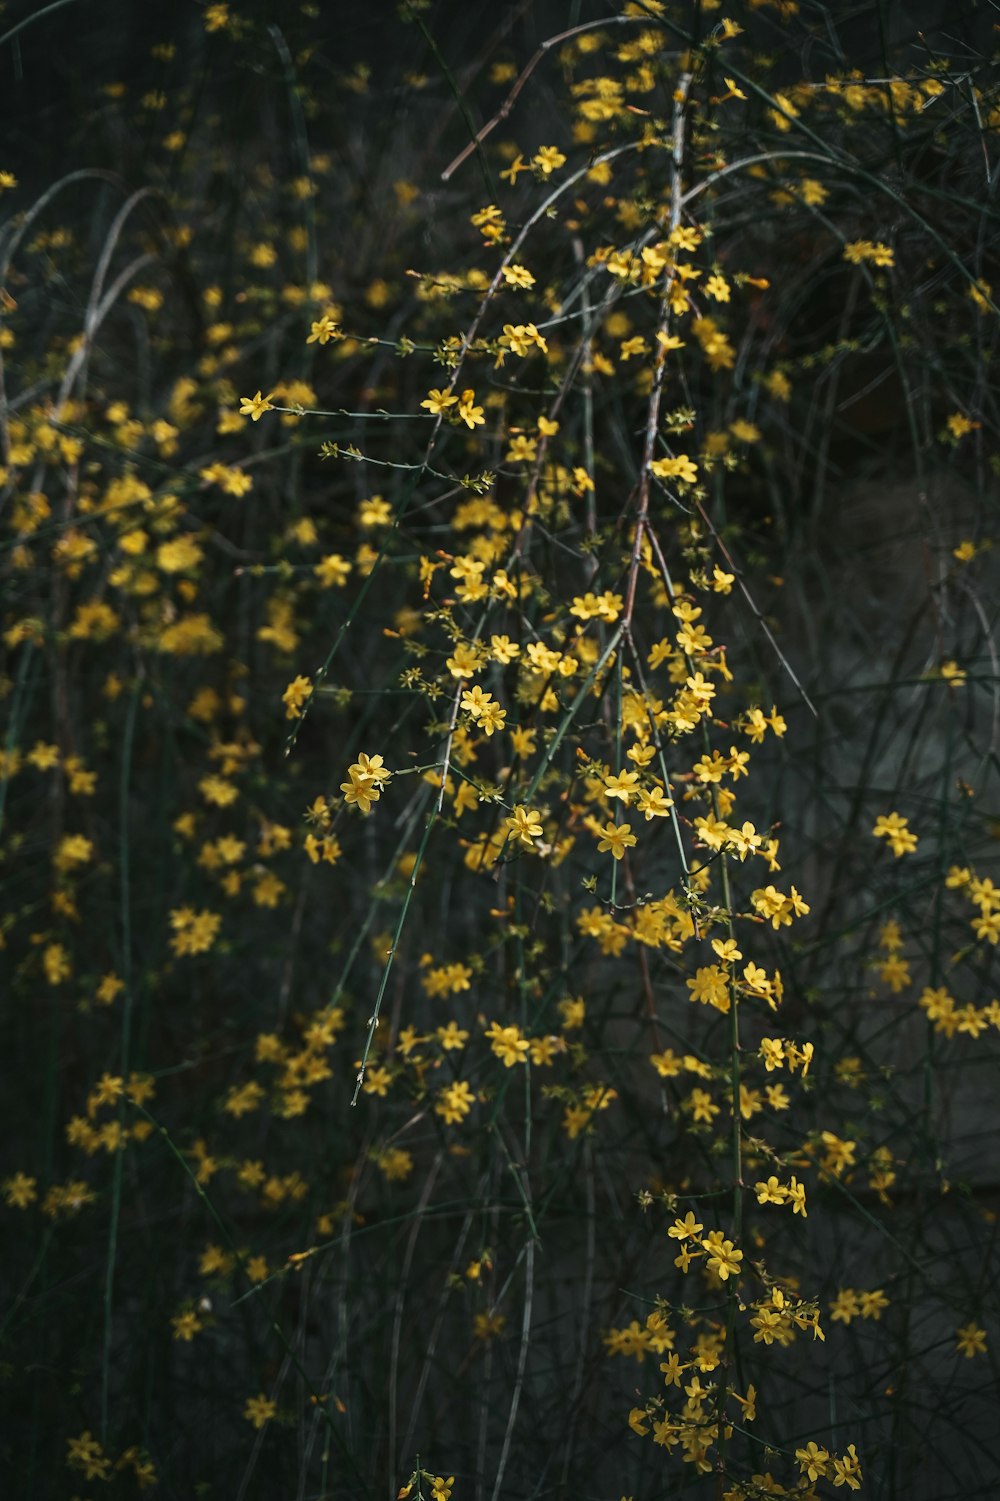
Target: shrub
<point x="501" y="722"/>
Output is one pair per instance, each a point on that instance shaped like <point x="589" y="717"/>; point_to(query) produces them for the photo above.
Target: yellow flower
<point x="508" y="1043"/>
<point x="72" y="850"/>
<point x="254" y="407"/>
<point x="452" y="1036"/>
<point x="218" y="791"/>
<point x="474" y="700"/>
<point x="333" y="570"/>
<point x="323" y="330"/>
<point x="470" y="414"/>
<point x="858" y="251"/>
<point x="298" y="692"/>
<point x="958" y="425"/>
<point x="723" y="1257"/>
<point x="522" y="338"/>
<point x="748" y="1403"/>
<point x="813" y="1461"/>
<point x="872" y="1303"/>
<point x="503" y="649"/>
<point x="785" y="109"/>
<point x="572" y="1012"/>
<point x="771" y="1192"/>
<point x="686" y="1229"/>
<point x="367" y="776"/>
<point x="547" y="159"/>
<point x="616" y="838"/>
<point x="19" y="1191"/>
<point x="980" y="292"/>
<point x="463" y="661"/>
<point x="186" y="1326"/>
<point x="654" y="803"/>
<point x="894" y="828"/>
<point x="518" y="165"/>
<point x="86" y="1454"/>
<point x="454" y="1102"/>
<point x="43" y="756"/>
<point x="56" y="964"/>
<point x="847" y="1469"/>
<point x="681" y="468"/>
<point x="971" y="1340"/>
<point x="622" y="786"/>
<point x="179" y="554"/>
<point x="796" y="1196"/>
<point x="524" y="825"/>
<point x="260" y="1410"/>
<point x="439" y="401"/>
<point x="522" y="450"/>
<point x="374" y="511"/>
<point x="194" y="932"/>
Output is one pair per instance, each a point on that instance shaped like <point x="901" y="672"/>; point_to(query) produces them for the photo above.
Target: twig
<point x="553" y="41"/>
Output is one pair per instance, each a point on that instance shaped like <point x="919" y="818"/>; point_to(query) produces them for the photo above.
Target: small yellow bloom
<point x="254" y="407"/>
<point x="437" y="401"/>
<point x="186" y="1326"/>
<point x="894" y="828"/>
<point x="260" y="1410"/>
<point x="622" y="786"/>
<point x="19" y="1191"/>
<point x="547" y="159"/>
<point x="298" y="692"/>
<point x="469" y="413"/>
<point x="524" y="825"/>
<point x="367" y="776"/>
<point x="958" y="425"/>
<point x="616" y="838"/>
<point x="971" y="1341"/>
<point x="681" y="468"/>
<point x="518" y="276"/>
<point x="323" y="330"/>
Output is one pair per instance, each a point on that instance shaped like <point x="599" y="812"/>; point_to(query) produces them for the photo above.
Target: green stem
<point x="126" y="961"/>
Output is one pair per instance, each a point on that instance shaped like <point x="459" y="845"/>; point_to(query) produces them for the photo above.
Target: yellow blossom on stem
<point x="681" y="468"/>
<point x="895" y="830"/>
<point x="259" y="1410"/>
<point x="298" y="693"/>
<point x="367" y="778"/>
<point x="971" y="1340"/>
<point x="254" y="407"/>
<point x="616" y="838"/>
<point x="185" y="1326"/>
<point x="437" y="401"/>
<point x="508" y="1043"/>
<point x="19" y="1191"/>
<point x="723" y="1257"/>
<point x="547" y="159"/>
<point x="524" y="825"/>
<point x="469" y="413"/>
